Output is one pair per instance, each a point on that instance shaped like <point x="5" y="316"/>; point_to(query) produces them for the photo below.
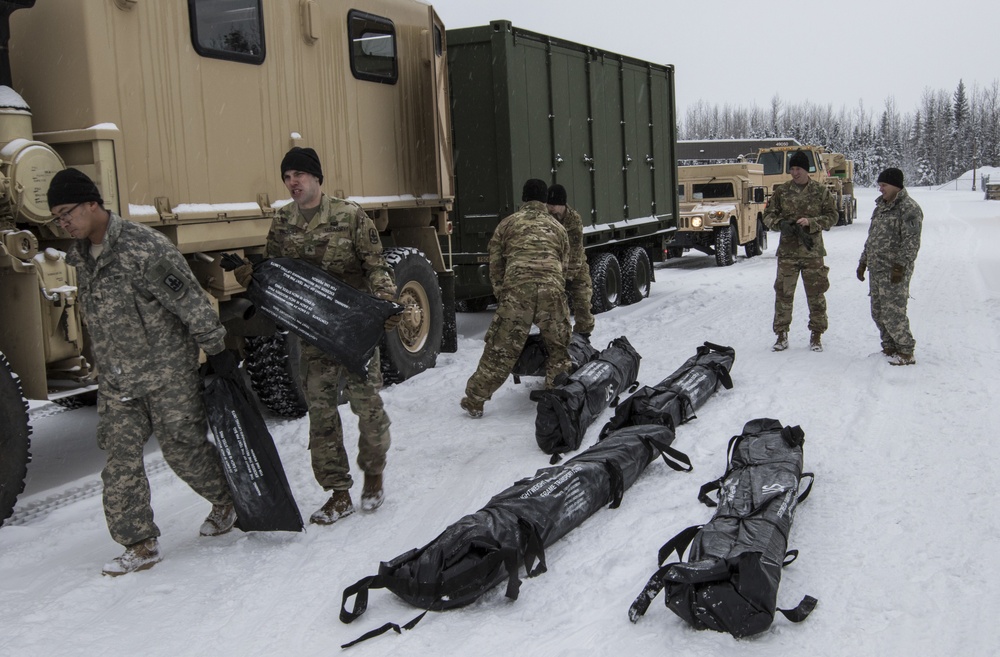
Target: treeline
<point x="947" y="135"/>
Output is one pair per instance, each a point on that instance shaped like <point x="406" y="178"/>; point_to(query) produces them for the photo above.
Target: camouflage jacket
<point x="894" y="233"/>
<point x="145" y="311"/>
<point x="529" y="246"/>
<point x="341" y="239"/>
<point x="812" y="201"/>
<point x="573" y="224"/>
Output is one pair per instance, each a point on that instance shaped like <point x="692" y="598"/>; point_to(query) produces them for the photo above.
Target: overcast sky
<point x="743" y="53"/>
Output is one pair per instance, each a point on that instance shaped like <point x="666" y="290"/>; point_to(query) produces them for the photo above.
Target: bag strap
<point x="801" y="611"/>
<point x="534" y="551"/>
<point x="680" y="463"/>
<point x="809" y="487"/>
<point x="678" y="543"/>
<point x="707" y="488"/>
<point x="360" y="590"/>
<point x="616" y="483"/>
<point x="385" y="628"/>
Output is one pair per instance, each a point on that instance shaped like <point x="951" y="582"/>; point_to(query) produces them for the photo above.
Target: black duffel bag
<point x="565" y="411"/>
<point x="674" y="400"/>
<point x="486" y="548"/>
<point x="535" y="354"/>
<point x="250" y="461"/>
<point x="729" y="582"/>
<point x="327" y="313"/>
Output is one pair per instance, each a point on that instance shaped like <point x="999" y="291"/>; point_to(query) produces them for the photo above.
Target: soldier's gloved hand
<point x="861" y="270"/>
<point x="242" y="269"/>
<point x="394" y="320"/>
<point x="897" y="274"/>
<point x="224" y="364"/>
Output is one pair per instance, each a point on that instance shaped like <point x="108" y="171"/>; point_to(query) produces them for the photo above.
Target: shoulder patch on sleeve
<point x="373" y="235"/>
<point x="165" y="275"/>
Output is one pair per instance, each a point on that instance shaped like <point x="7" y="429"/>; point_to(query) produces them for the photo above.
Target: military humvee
<point x="832" y="169"/>
<point x="721" y="208"/>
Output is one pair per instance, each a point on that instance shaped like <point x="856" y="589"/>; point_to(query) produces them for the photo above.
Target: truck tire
<point x="15" y="441"/>
<point x="726" y="241"/>
<point x="606" y="275"/>
<point x="414" y="346"/>
<point x="757" y="245"/>
<point x="637" y="275"/>
<point x="272" y="362"/>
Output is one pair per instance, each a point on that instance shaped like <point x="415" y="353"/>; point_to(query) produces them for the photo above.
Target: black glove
<point x="224" y="364"/>
<point x="862" y="266"/>
<point x="393" y="321"/>
<point x="242" y="269"/>
<point x="896" y="276"/>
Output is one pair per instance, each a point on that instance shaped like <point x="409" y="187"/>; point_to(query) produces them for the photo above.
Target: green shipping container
<point x="526" y="105"/>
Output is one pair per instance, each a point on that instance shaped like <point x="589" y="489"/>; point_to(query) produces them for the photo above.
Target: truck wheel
<point x="756" y="246"/>
<point x="14" y="439"/>
<point x="726" y="241"/>
<point x="842" y="218"/>
<point x="272" y="361"/>
<point x="637" y="274"/>
<point x="854" y="210"/>
<point x="606" y="275"/>
<point x="415" y="344"/>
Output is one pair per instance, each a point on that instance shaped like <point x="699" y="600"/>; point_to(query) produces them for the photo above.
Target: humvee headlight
<point x="717" y="214"/>
<point x="696" y="222"/>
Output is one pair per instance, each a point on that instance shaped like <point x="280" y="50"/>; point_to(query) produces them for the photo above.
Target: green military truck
<point x="721" y="209"/>
<point x="526" y="105"/>
<point x="832" y="169"/>
<point x="180" y="111"/>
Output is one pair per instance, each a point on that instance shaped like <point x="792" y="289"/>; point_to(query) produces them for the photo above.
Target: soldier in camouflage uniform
<point x="147" y="317"/>
<point x="529" y="255"/>
<point x="579" y="287"/>
<point x="801" y="209"/>
<point x="337" y="236"/>
<point x="889" y="254"/>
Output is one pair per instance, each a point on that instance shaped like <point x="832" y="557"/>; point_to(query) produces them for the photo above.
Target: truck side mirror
<point x="758" y="195"/>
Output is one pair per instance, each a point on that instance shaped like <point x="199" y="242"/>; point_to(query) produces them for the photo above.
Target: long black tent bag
<point x="674" y="400"/>
<point x="535" y="354"/>
<point x="327" y="313"/>
<point x="730" y="581"/>
<point x="257" y="481"/>
<point x="488" y="547"/>
<point x="565" y="412"/>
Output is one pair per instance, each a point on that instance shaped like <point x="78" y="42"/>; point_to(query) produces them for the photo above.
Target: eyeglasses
<point x="64" y="217"/>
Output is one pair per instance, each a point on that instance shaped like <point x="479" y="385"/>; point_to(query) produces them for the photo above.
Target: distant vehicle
<point x="722" y="208"/>
<point x="832" y="169"/>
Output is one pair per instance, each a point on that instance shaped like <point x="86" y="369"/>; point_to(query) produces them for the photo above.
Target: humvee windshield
<point x="713" y="190"/>
<point x="774" y="161"/>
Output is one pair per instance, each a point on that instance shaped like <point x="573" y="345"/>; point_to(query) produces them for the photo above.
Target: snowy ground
<point x="898" y="539"/>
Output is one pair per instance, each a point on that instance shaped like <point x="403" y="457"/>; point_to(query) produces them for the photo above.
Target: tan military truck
<point x="721" y="208"/>
<point x="181" y="110"/>
<point x="832" y="169"/>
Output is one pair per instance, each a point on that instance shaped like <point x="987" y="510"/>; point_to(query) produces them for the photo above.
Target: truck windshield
<point x="713" y="190"/>
<point x="773" y="161"/>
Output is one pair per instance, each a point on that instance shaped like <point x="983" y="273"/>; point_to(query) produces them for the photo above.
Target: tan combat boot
<point x="138" y="556"/>
<point x="219" y="521"/>
<point x="372" y="494"/>
<point x="781" y="343"/>
<point x="902" y="359"/>
<point x="815" y="343"/>
<point x="338" y="506"/>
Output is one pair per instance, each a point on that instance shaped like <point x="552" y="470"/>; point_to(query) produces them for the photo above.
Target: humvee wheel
<point x="756" y="246"/>
<point x="606" y="274"/>
<point x="637" y="275"/>
<point x="415" y="344"/>
<point x="726" y="240"/>
<point x="272" y="361"/>
<point x="14" y="439"/>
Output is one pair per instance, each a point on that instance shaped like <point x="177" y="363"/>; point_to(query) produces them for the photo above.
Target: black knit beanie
<point x="302" y="159"/>
<point x="534" y="190"/>
<point x="72" y="186"/>
<point x="891" y="176"/>
<point x="557" y="195"/>
<point x="800" y="160"/>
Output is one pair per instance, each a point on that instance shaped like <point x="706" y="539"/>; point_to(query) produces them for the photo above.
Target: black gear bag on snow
<point x="565" y="412"/>
<point x="257" y="481"/>
<point x="325" y="312"/>
<point x="483" y="549"/>
<point x="730" y="581"/>
<point x="674" y="400"/>
<point x="535" y="354"/>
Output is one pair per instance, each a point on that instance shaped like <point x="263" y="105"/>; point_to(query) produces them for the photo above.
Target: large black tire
<point x="758" y="245"/>
<point x="15" y="441"/>
<point x="637" y="275"/>
<point x="272" y="362"/>
<point x="606" y="274"/>
<point x="415" y="344"/>
<point x="726" y="242"/>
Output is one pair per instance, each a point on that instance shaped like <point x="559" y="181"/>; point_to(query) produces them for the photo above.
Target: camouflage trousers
<point x="580" y="290"/>
<point x="815" y="279"/>
<point x="889" y="310"/>
<point x="520" y="307"/>
<point x="321" y="376"/>
<point x="176" y="415"/>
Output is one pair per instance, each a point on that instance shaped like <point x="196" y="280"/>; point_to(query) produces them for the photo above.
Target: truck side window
<point x="228" y="29"/>
<point x="373" y="47"/>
